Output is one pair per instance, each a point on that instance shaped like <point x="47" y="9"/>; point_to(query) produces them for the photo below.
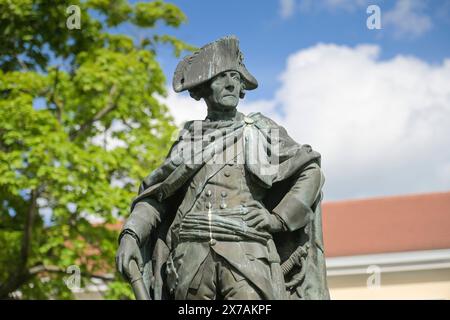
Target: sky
<point x="375" y="103"/>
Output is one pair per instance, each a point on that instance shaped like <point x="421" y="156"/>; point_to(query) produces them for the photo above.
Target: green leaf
<point x="53" y="122"/>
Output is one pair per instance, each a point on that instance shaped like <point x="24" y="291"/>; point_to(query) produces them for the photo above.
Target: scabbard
<point x="137" y="282"/>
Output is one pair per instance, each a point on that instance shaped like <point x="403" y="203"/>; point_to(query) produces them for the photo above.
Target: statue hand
<point x="128" y="250"/>
<point x="263" y="220"/>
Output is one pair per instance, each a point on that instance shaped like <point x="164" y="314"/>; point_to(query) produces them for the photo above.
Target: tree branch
<point x="54" y="269"/>
<point x="125" y="122"/>
<point x="111" y="105"/>
<point x="58" y="105"/>
<point x="22" y="64"/>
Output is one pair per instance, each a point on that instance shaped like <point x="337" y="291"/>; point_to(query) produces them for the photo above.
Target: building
<point x="388" y="248"/>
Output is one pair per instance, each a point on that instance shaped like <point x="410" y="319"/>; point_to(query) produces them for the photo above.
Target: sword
<point x="137" y="283"/>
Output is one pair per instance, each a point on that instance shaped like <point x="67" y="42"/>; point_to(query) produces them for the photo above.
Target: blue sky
<point x="268" y="38"/>
<point x="374" y="103"/>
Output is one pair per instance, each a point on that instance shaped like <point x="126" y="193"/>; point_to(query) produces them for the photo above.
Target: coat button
<point x="212" y="242"/>
<point x="208" y="193"/>
<point x="223" y="206"/>
<point x="248" y="120"/>
<point x="226" y="173"/>
<point x="223" y="194"/>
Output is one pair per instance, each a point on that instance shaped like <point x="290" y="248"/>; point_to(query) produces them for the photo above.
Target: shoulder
<point x="187" y="126"/>
<point x="263" y="121"/>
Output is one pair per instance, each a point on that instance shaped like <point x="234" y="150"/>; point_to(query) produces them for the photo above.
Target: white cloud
<point x="106" y="139"/>
<point x="408" y="18"/>
<point x="183" y="108"/>
<point x="382" y="127"/>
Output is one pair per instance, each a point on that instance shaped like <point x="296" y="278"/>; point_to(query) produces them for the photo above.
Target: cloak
<point x="301" y="250"/>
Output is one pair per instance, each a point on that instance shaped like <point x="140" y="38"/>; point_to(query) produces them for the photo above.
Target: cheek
<point x="238" y="87"/>
<point x="217" y="96"/>
<point x="217" y="93"/>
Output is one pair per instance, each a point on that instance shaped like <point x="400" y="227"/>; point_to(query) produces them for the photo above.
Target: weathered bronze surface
<point x="234" y="211"/>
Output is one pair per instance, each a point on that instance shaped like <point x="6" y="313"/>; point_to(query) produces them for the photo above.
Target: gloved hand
<point x="263" y="220"/>
<point x="128" y="249"/>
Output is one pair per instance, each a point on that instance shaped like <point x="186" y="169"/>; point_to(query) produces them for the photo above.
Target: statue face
<point x="225" y="89"/>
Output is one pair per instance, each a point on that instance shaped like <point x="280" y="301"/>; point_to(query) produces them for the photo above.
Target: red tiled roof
<point x="390" y="224"/>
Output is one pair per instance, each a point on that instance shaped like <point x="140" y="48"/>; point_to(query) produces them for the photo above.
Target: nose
<point x="229" y="85"/>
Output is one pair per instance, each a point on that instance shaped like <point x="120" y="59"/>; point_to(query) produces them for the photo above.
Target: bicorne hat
<point x="212" y="59"/>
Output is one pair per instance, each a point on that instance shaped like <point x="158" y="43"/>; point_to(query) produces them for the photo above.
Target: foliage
<point x="80" y="126"/>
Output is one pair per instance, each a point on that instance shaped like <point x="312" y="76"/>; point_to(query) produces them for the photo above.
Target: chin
<point x="227" y="107"/>
<point x="230" y="104"/>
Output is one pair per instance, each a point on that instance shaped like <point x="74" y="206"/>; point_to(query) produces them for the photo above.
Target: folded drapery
<point x="224" y="225"/>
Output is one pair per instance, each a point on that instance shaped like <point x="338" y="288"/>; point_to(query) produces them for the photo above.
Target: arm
<point x="294" y="209"/>
<point x="144" y="218"/>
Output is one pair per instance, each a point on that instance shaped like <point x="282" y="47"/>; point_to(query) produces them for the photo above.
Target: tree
<point x="80" y="126"/>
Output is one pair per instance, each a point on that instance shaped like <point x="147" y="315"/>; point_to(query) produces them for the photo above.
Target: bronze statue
<point x="234" y="211"/>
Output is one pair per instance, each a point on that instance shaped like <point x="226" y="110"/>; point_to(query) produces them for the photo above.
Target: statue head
<point x="221" y="92"/>
<point x="215" y="73"/>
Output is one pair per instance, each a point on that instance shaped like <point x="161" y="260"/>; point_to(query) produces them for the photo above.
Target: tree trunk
<point x="20" y="274"/>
